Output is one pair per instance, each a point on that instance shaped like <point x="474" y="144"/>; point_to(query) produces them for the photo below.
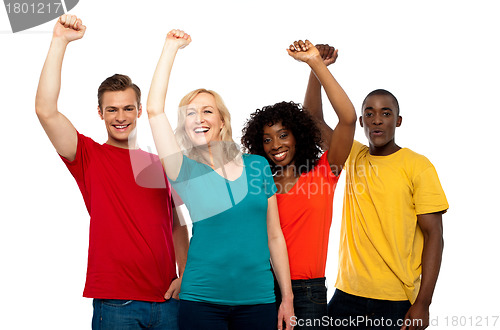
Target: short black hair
<point x="294" y="118"/>
<point x="381" y="92"/>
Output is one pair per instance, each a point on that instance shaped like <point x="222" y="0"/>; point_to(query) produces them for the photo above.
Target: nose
<point x="199" y="117"/>
<point x="276" y="144"/>
<point x="120" y="116"/>
<point x="377" y="120"/>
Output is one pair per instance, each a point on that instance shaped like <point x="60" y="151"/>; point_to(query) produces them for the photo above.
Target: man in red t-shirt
<point x="135" y="237"/>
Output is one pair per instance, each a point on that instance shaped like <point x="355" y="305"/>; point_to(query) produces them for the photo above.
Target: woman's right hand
<point x="178" y="38"/>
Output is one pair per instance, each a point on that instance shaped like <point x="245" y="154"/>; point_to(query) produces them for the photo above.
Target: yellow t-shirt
<point x="380" y="241"/>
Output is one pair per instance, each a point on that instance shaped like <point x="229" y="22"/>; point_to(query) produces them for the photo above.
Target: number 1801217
<point x="34" y="8"/>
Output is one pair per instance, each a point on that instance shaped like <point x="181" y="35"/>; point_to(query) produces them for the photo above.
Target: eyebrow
<point x="113" y="107"/>
<point x="278" y="131"/>
<point x="371" y="108"/>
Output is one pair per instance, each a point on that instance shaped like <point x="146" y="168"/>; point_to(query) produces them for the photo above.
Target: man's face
<point x="379" y="119"/>
<point x="120" y="112"/>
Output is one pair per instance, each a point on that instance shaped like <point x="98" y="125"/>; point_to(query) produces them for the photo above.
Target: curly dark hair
<point x="294" y="118"/>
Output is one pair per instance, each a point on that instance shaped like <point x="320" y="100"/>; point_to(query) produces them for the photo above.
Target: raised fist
<point x="178" y="38"/>
<point x="328" y="53"/>
<point x="69" y="28"/>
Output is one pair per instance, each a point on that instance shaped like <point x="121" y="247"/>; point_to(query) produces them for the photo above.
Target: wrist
<point x="169" y="47"/>
<point x="425" y="302"/>
<point x="287" y="298"/>
<point x="59" y="42"/>
<point x="314" y="62"/>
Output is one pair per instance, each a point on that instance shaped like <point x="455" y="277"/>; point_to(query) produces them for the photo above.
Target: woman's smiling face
<point x="203" y="120"/>
<point x="279" y="144"/>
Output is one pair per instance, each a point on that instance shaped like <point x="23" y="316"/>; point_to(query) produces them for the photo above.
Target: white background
<point x="440" y="58"/>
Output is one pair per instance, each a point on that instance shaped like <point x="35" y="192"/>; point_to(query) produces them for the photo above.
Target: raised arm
<point x="313" y="102"/>
<point x="279" y="261"/>
<point x="59" y="129"/>
<point x="342" y="136"/>
<point x="163" y="134"/>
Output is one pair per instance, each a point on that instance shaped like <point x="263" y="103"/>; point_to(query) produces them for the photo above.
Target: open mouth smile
<point x="201" y="130"/>
<point x="121" y="127"/>
<point x="280" y="156"/>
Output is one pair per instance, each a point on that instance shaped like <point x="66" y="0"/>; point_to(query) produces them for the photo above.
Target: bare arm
<point x="342" y="136"/>
<point x="59" y="129"/>
<point x="432" y="228"/>
<point x="163" y="134"/>
<point x="181" y="246"/>
<point x="313" y="102"/>
<point x="279" y="260"/>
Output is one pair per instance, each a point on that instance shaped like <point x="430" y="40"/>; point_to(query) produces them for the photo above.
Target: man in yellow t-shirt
<point x="391" y="236"/>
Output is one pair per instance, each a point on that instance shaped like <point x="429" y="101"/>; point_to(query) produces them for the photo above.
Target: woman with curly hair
<point x="288" y="137"/>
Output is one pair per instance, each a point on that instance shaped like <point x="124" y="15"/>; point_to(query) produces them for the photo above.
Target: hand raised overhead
<point x="178" y="39"/>
<point x="328" y="53"/>
<point x="303" y="51"/>
<point x="69" y="28"/>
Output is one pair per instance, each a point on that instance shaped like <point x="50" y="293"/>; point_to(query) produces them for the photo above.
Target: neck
<point x="385" y="150"/>
<point x="212" y="154"/>
<point x="123" y="144"/>
<point x="288" y="171"/>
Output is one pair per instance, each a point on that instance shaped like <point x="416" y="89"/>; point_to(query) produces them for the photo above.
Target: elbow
<point x="43" y="113"/>
<point x="350" y="119"/>
<point x="153" y="110"/>
<point x="349" y="123"/>
<point x="150" y="110"/>
<point x="352" y="122"/>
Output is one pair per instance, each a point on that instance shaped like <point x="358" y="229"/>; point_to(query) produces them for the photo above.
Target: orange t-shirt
<point x="305" y="216"/>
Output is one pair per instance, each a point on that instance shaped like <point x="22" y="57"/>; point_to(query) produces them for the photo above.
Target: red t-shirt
<point x="306" y="216"/>
<point x="131" y="254"/>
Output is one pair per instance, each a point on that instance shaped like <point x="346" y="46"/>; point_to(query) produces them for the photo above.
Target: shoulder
<point x="415" y="159"/>
<point x="255" y="159"/>
<point x="85" y="140"/>
<point x="358" y="147"/>
<point x="418" y="167"/>
<point x="358" y="150"/>
<point x="151" y="156"/>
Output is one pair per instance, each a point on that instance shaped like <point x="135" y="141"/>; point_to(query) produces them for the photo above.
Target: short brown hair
<point x="117" y="82"/>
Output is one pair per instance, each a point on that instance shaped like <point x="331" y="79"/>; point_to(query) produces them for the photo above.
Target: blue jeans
<point x="309" y="303"/>
<point x="116" y="314"/>
<point x="195" y="315"/>
<point x="352" y="312"/>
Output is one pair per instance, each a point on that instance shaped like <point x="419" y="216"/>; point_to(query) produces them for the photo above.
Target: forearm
<point x="431" y="264"/>
<point x="312" y="99"/>
<point x="49" y="85"/>
<point x="181" y="243"/>
<point x="279" y="261"/>
<point x="159" y="83"/>
<point x="163" y="134"/>
<point x="339" y="100"/>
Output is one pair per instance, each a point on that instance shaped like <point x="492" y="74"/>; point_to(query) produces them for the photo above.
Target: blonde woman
<point x="227" y="283"/>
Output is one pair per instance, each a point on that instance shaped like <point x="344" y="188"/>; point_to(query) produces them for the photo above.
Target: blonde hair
<point x="230" y="150"/>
